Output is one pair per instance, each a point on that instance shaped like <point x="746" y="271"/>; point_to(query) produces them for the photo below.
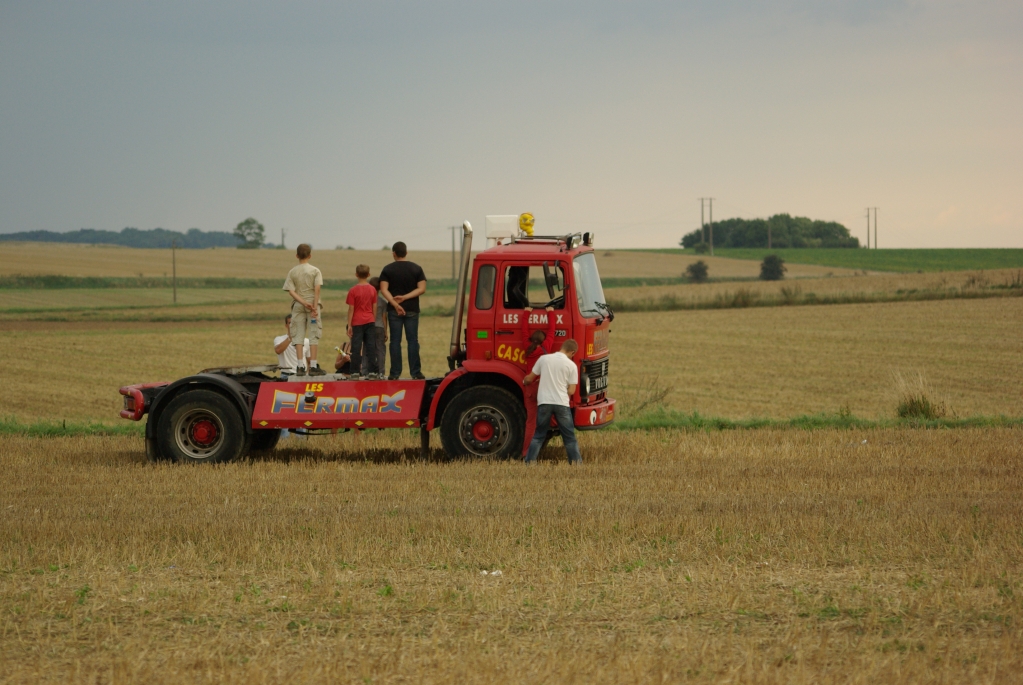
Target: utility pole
<point x="875" y="228"/>
<point x="453" y="229"/>
<point x="174" y="268"/>
<point x="703" y="223"/>
<point x="868" y="228"/>
<point x="282" y="239"/>
<point x="710" y="213"/>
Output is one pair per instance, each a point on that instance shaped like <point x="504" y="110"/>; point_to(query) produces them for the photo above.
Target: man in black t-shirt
<point x="401" y="284"/>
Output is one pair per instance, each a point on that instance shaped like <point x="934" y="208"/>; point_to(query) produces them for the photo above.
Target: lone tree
<point x="772" y="268"/>
<point x="251" y="233"/>
<point x="697" y="272"/>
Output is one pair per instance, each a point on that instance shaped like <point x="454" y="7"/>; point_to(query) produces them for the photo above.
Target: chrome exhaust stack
<point x="455" y="354"/>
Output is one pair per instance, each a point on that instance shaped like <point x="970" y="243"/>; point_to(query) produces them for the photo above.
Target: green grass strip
<point x="694" y="421"/>
<point x="661" y="419"/>
<point x="442" y="285"/>
<point x="740" y="299"/>
<point x="166" y="314"/>
<point x="9" y="425"/>
<point x="900" y="260"/>
<point x="53" y="282"/>
<point x="744" y="297"/>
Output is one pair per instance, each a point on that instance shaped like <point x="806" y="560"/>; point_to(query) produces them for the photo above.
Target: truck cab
<point x="504" y="280"/>
<point x="558" y="272"/>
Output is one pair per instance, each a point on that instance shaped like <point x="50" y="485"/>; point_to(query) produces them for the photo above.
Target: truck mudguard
<point x="234" y="390"/>
<point x="512" y="372"/>
<point x="431" y="421"/>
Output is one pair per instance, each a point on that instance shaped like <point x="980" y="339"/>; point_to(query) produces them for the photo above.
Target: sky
<point x="365" y="123"/>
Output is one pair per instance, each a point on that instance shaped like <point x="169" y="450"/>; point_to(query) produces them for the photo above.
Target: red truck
<point x="480" y="405"/>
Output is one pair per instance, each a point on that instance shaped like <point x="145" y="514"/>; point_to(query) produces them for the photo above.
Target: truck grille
<point x="595" y="373"/>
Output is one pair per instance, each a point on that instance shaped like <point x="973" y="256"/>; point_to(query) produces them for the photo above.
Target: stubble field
<point x="770" y="362"/>
<point x="671" y="555"/>
<point x="779" y="556"/>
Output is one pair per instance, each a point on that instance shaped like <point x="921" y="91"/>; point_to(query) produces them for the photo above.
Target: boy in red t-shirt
<point x="362" y="316"/>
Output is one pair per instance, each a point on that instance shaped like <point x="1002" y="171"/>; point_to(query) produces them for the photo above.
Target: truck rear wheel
<point x="483" y="421"/>
<point x="201" y="426"/>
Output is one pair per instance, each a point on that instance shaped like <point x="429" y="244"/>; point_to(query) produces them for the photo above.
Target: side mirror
<point x="551" y="279"/>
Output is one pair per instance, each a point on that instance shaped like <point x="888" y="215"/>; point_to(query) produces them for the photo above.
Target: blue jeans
<point x="409" y="322"/>
<point x="379" y="351"/>
<point x="566" y="426"/>
<point x="364" y="347"/>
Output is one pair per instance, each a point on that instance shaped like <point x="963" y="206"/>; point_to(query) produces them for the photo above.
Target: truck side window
<point x="524" y="286"/>
<point x="516" y="287"/>
<point x="485" y="281"/>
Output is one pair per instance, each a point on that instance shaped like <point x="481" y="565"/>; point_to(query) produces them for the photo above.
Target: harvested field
<point x="789" y="556"/>
<point x="193" y="303"/>
<point x="792" y="291"/>
<point x="783" y="361"/>
<point x="104" y="260"/>
<point x="776" y="362"/>
<point x="270" y="303"/>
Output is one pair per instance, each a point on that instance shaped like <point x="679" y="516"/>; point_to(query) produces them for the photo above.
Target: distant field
<point x="882" y="260"/>
<point x="273" y="265"/>
<point x="270" y="302"/>
<point x="873" y="287"/>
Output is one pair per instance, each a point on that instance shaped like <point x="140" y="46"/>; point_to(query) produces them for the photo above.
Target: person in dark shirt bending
<point x="538" y="343"/>
<point x="401" y="284"/>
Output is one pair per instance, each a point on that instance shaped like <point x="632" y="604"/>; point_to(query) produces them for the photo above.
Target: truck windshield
<point x="587" y="285"/>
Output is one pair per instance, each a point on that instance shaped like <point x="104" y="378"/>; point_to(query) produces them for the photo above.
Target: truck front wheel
<point x="483" y="421"/>
<point x="201" y="426"/>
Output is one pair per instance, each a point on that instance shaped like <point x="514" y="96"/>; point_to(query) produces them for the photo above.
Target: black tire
<point x="153" y="454"/>
<point x="201" y="427"/>
<point x="483" y="421"/>
<point x="264" y="440"/>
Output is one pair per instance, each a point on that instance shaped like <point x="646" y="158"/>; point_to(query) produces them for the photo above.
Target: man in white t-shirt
<point x="287" y="359"/>
<point x="559" y="377"/>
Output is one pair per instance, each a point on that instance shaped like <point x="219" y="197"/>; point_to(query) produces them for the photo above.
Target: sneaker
<point x="300" y="371"/>
<point x="354" y="377"/>
<point x="392" y="378"/>
<point x="419" y="377"/>
<point x="317" y="371"/>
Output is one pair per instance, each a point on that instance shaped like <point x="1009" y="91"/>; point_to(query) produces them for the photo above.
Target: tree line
<point x="194" y="238"/>
<point x="780" y="230"/>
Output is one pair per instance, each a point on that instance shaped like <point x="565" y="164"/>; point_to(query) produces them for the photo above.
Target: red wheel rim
<point x="482" y="430"/>
<point x="204" y="432"/>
